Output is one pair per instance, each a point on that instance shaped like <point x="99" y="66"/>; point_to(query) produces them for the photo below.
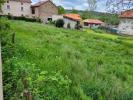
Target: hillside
<point x="60" y="64"/>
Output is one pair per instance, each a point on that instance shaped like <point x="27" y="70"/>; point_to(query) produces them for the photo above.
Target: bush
<point x="21" y="18"/>
<point x="59" y="23"/>
<point x="4" y="31"/>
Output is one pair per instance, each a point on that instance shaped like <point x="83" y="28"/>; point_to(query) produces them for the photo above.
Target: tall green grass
<point x="77" y="65"/>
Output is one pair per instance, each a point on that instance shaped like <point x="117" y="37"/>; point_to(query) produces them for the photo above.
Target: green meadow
<point x="62" y="64"/>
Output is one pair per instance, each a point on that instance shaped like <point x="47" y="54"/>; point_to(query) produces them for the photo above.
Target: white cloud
<point x="78" y="4"/>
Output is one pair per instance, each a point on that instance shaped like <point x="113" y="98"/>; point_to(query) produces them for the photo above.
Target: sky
<point x="78" y="4"/>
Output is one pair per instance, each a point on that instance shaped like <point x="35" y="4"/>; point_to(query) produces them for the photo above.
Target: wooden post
<point x="13" y="38"/>
<point x="1" y="82"/>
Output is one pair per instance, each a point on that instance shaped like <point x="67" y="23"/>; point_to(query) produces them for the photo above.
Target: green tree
<point x="1" y="2"/>
<point x="61" y="10"/>
<point x="87" y="14"/>
<point x="92" y="4"/>
<point x="74" y="11"/>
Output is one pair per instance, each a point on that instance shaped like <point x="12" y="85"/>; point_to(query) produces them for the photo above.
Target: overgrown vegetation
<point x="59" y="23"/>
<point x="61" y="10"/>
<point x="23" y="18"/>
<point x="57" y="64"/>
<point x="108" y="18"/>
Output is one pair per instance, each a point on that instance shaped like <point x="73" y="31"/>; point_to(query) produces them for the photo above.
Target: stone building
<point x="17" y="8"/>
<point x="43" y="9"/>
<point x="71" y="20"/>
<point x="126" y="22"/>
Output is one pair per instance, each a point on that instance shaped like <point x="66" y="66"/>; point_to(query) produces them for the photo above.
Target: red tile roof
<point x="75" y="17"/>
<point x="93" y="21"/>
<point x="127" y="14"/>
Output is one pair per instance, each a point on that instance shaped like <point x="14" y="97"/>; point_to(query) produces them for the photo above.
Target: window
<point x="49" y="19"/>
<point x="85" y="24"/>
<point x="33" y="10"/>
<point x="22" y="9"/>
<point x="8" y="7"/>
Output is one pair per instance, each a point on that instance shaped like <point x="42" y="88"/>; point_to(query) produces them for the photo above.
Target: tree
<point x="85" y="14"/>
<point x="61" y="10"/>
<point x="59" y="23"/>
<point x="116" y="6"/>
<point x="92" y="4"/>
<point x="74" y="11"/>
<point x="1" y="2"/>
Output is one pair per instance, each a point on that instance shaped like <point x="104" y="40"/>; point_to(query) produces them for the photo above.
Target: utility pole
<point x="1" y="82"/>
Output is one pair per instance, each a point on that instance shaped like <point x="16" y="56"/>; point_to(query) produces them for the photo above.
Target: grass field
<point x="62" y="64"/>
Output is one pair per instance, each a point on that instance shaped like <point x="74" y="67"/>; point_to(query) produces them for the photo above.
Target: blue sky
<point x="78" y="4"/>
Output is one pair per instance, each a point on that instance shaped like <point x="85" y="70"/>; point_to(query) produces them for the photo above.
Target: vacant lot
<point x="59" y="64"/>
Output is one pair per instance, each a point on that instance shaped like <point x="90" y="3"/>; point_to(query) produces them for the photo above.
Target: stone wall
<point x="45" y="11"/>
<point x="126" y="26"/>
<point x="15" y="8"/>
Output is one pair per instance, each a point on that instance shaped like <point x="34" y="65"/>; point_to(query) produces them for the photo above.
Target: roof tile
<point x="73" y="16"/>
<point x="127" y="14"/>
<point x="93" y="21"/>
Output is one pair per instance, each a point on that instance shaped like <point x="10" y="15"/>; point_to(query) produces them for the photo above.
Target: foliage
<point x="59" y="23"/>
<point x="92" y="4"/>
<point x="6" y="38"/>
<point x="116" y="6"/>
<point x="1" y="2"/>
<point x="60" y="64"/>
<point x="10" y="17"/>
<point x="74" y="11"/>
<point x="61" y="10"/>
<point x="42" y="84"/>
<point x="85" y="15"/>
<point x="108" y="18"/>
<point x="4" y="31"/>
<point x="112" y="19"/>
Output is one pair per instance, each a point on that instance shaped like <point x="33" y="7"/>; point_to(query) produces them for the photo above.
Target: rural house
<point x="17" y="8"/>
<point x="126" y="22"/>
<point x="92" y="23"/>
<point x="71" y="20"/>
<point x="43" y="9"/>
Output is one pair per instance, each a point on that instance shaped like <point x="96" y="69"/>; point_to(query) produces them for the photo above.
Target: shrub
<point x="4" y="31"/>
<point x="59" y="23"/>
<point x="21" y="18"/>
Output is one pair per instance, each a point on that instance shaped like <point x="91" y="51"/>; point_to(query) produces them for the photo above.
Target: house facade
<point x="43" y="9"/>
<point x="126" y="23"/>
<point x="17" y="8"/>
<point x="71" y="20"/>
<point x="92" y="23"/>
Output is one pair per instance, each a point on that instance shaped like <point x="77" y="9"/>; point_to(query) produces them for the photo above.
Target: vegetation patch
<point x="57" y="64"/>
